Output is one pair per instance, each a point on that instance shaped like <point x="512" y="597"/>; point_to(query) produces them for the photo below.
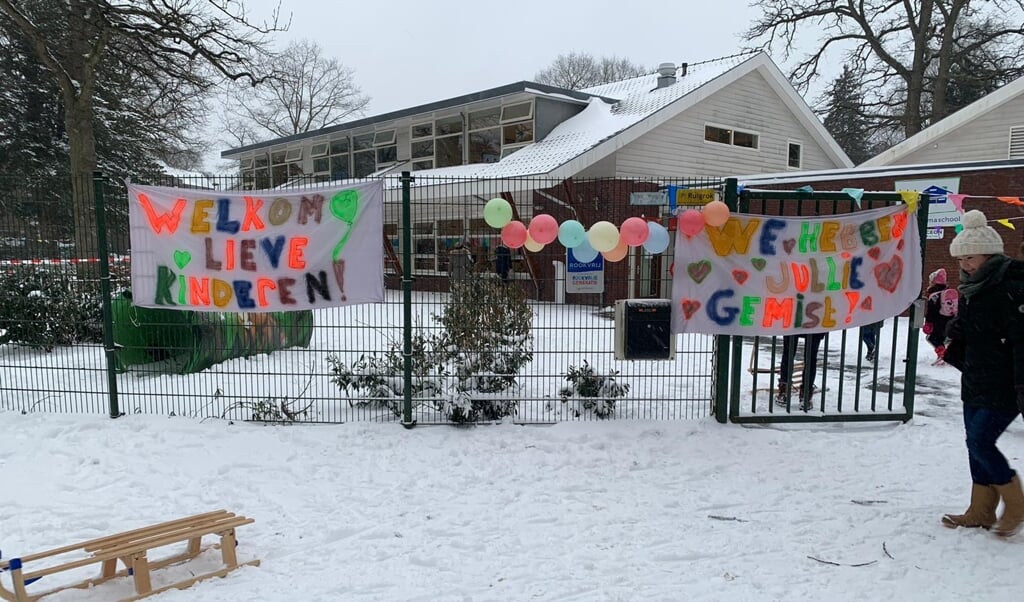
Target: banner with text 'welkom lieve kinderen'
<point x="767" y="275"/>
<point x="256" y="251"/>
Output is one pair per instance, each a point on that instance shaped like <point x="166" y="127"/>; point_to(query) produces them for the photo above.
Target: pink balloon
<point x="691" y="222"/>
<point x="513" y="234"/>
<point x="634" y="231"/>
<point x="619" y="252"/>
<point x="543" y="228"/>
<point x="716" y="213"/>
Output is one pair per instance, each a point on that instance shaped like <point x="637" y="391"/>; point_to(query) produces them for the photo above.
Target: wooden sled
<point x="131" y="548"/>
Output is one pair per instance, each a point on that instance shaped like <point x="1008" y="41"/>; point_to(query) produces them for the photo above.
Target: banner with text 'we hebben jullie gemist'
<point x="766" y="275"/>
<point x="256" y="251"/>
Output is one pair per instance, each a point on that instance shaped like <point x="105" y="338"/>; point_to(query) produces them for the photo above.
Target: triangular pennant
<point x="957" y="200"/>
<point x="1011" y="200"/>
<point x="855" y="193"/>
<point x="910" y="198"/>
<point x="1007" y="223"/>
<point x="805" y="189"/>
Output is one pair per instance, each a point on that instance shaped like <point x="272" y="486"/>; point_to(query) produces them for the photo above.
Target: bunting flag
<point x="1010" y="200"/>
<point x="957" y="200"/>
<point x="1007" y="223"/>
<point x="856" y="194"/>
<point x="910" y="198"/>
<point x="807" y="189"/>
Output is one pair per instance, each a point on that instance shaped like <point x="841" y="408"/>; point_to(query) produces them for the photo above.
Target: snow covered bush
<point x="466" y="369"/>
<point x="47" y="306"/>
<point x="593" y="391"/>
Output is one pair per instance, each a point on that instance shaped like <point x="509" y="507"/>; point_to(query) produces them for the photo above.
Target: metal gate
<point x="847" y="386"/>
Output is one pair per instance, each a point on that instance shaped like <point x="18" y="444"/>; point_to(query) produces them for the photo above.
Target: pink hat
<point x="938" y="276"/>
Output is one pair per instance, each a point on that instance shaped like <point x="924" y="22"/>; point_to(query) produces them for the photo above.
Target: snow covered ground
<point x="615" y="510"/>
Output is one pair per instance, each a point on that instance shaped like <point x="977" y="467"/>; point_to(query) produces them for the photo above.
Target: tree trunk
<point x="78" y="120"/>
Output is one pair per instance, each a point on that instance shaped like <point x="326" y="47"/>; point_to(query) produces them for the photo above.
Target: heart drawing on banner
<point x="874" y="252"/>
<point x="758" y="263"/>
<point x="889" y="274"/>
<point x="788" y="245"/>
<point x="699" y="270"/>
<point x="690" y="307"/>
<point x="740" y="276"/>
<point x="182" y="259"/>
<point x="867" y="303"/>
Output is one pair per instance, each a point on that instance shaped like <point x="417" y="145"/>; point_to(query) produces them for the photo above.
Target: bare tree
<point x="308" y="92"/>
<point x="578" y="70"/>
<point x="906" y="52"/>
<point x="170" y="43"/>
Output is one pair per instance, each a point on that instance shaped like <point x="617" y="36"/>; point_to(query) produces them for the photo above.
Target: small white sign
<point x="648" y="198"/>
<point x="936" y="233"/>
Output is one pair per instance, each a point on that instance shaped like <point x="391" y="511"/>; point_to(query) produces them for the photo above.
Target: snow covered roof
<point x="639" y="106"/>
<point x="866" y="171"/>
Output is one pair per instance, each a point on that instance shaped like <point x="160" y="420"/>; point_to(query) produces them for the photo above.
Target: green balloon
<point x="497" y="212"/>
<point x="345" y="205"/>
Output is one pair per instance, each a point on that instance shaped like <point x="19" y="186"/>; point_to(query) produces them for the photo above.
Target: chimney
<point x="666" y="74"/>
<point x="682" y="69"/>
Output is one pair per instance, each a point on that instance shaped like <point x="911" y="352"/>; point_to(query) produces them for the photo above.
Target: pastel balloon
<point x="571" y="233"/>
<point x="603" y="236"/>
<point x="657" y="239"/>
<point x="584" y="253"/>
<point x="514" y="234"/>
<point x="618" y="253"/>
<point x="543" y="228"/>
<point x="497" y="212"/>
<point x="716" y="213"/>
<point x="691" y="222"/>
<point x="532" y="245"/>
<point x="634" y="231"/>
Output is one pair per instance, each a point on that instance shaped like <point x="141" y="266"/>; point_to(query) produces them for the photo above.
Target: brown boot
<point x="1013" y="508"/>
<point x="981" y="512"/>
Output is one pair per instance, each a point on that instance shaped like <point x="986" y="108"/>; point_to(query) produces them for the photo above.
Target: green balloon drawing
<point x="345" y="207"/>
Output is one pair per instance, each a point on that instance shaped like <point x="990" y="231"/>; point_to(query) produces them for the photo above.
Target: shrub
<point x="47" y="306"/>
<point x="595" y="392"/>
<point x="466" y="368"/>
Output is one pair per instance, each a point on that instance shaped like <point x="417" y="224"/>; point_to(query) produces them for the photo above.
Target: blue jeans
<point x="984" y="426"/>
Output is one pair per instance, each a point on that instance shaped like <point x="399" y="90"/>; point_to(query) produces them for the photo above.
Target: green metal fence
<point x="73" y="342"/>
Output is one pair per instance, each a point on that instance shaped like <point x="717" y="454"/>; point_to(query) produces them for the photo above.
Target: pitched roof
<point x="955" y="121"/>
<point x="639" y="106"/>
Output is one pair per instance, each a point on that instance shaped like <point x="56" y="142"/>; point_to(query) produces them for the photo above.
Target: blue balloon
<point x="657" y="240"/>
<point x="584" y="253"/>
<point x="571" y="233"/>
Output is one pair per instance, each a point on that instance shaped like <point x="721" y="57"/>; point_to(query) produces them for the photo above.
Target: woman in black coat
<point x="986" y="343"/>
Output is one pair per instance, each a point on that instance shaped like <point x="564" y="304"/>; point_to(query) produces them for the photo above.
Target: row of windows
<point x="483" y="136"/>
<point x="734" y="137"/>
<point x="433" y="241"/>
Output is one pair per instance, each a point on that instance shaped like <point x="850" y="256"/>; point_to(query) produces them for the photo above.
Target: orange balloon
<point x="618" y="253"/>
<point x="716" y="213"/>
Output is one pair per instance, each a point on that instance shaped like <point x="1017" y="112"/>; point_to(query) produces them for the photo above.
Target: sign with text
<point x="584" y="277"/>
<point x="764" y="275"/>
<point x="941" y="211"/>
<point x="247" y="251"/>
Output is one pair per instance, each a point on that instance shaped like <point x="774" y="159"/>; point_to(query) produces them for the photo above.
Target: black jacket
<point x="987" y="341"/>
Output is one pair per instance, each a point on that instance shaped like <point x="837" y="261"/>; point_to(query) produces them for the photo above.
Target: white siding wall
<point x="677" y="147"/>
<point x="986" y="138"/>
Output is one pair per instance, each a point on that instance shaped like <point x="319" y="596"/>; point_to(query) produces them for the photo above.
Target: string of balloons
<point x="604" y="237"/>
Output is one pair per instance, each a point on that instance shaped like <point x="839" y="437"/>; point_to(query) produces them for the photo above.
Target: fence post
<point x="107" y="314"/>
<point x="723" y="366"/>
<point x="407" y="419"/>
<point x="912" y="331"/>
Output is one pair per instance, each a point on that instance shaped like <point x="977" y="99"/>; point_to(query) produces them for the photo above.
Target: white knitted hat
<point x="977" y="238"/>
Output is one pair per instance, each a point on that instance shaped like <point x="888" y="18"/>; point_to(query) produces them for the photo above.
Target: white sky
<point x="410" y="53"/>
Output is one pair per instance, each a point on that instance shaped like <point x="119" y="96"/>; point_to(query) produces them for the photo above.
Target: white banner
<point x="765" y="275"/>
<point x="256" y="251"/>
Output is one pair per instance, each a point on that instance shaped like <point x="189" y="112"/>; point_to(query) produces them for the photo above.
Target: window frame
<point x="789" y="154"/>
<point x="732" y="136"/>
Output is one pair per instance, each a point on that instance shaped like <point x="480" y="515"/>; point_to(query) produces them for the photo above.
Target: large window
<point x="486" y="136"/>
<point x="285" y="166"/>
<point x="723" y="135"/>
<point x="433" y="241"/>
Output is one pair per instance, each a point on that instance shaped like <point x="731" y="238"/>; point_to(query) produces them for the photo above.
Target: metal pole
<point x="912" y="329"/>
<point x="407" y="419"/>
<point x="108" y="322"/>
